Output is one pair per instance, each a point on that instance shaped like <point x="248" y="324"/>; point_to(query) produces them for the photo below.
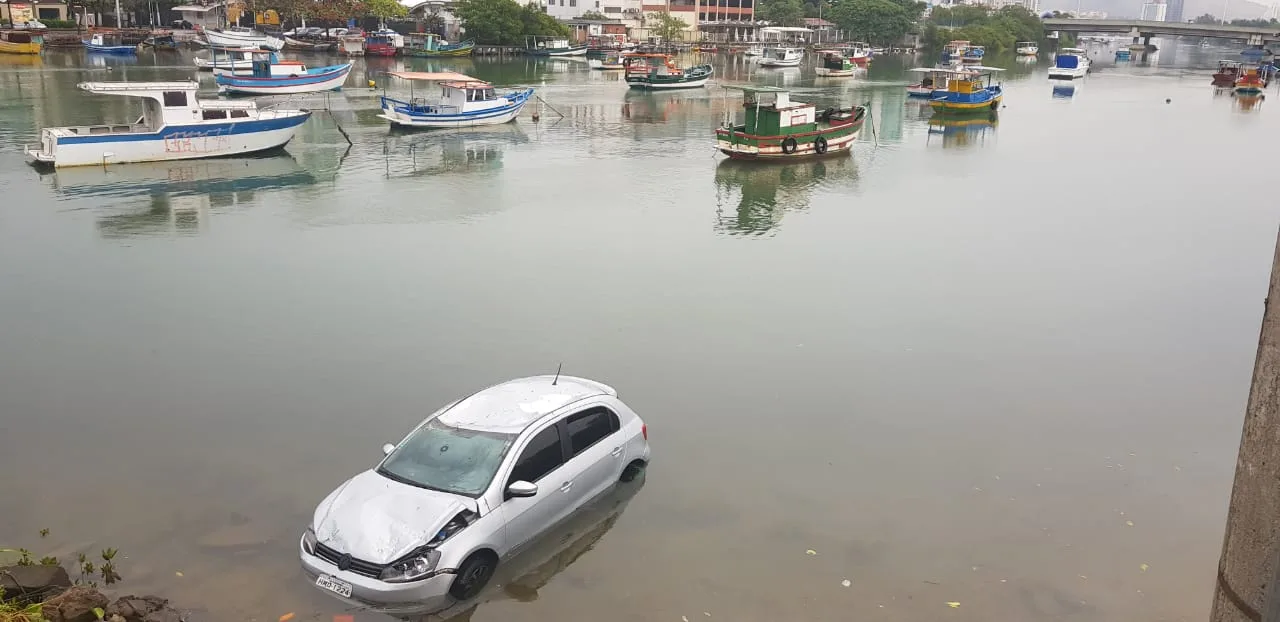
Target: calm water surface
<point x="1002" y="364"/>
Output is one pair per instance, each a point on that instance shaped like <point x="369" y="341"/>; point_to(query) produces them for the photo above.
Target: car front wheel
<point x="473" y="575"/>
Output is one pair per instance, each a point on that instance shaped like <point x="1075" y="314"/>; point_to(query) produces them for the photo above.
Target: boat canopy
<point x="436" y="76"/>
<point x="1073" y="50"/>
<point x="137" y="89"/>
<point x="969" y="70"/>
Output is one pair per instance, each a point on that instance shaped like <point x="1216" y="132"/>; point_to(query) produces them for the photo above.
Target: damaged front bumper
<point x="415" y="597"/>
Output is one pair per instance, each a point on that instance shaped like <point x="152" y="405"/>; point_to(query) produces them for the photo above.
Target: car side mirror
<point x="387" y="449"/>
<point x="522" y="489"/>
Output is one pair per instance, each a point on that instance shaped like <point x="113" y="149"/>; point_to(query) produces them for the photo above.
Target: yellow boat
<point x="15" y="42"/>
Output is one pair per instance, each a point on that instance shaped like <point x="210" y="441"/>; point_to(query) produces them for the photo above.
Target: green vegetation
<point x="996" y="30"/>
<point x="669" y="27"/>
<point x="593" y="15"/>
<point x="881" y="22"/>
<point x="781" y="12"/>
<point x="1255" y="23"/>
<point x="506" y="22"/>
<point x="12" y="611"/>
<point x="385" y="9"/>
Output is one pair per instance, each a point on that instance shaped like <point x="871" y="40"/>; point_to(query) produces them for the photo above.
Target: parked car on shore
<point x="472" y="485"/>
<point x="31" y="25"/>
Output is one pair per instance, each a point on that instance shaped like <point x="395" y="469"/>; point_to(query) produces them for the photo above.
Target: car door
<point x="542" y="462"/>
<point x="595" y="451"/>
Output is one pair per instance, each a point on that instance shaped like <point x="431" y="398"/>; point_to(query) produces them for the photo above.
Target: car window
<point x="452" y="459"/>
<point x="588" y="427"/>
<point x="541" y="456"/>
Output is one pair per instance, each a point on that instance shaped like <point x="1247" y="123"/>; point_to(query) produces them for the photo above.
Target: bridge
<point x="1145" y="30"/>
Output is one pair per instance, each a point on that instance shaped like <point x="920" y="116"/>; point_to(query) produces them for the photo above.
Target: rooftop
<point x="513" y="405"/>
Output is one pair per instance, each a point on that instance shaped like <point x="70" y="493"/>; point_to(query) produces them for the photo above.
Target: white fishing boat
<point x="754" y="50"/>
<point x="463" y="102"/>
<point x="612" y="61"/>
<point x="174" y="125"/>
<point x="781" y="57"/>
<point x="287" y="77"/>
<point x="1069" y="64"/>
<point x="1026" y="48"/>
<point x="228" y="59"/>
<point x="242" y="38"/>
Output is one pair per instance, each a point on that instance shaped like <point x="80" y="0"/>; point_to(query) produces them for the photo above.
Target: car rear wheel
<point x="473" y="575"/>
<point x="632" y="472"/>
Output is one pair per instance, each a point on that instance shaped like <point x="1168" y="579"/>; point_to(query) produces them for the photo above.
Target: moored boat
<point x="1228" y="71"/>
<point x="431" y="45"/>
<point x="308" y="46"/>
<point x="659" y="72"/>
<point x="966" y="92"/>
<point x="781" y="57"/>
<point x="833" y="64"/>
<point x="1252" y="81"/>
<point x="754" y="50"/>
<point x="858" y="53"/>
<point x="553" y="46"/>
<point x="271" y="77"/>
<point x="108" y="43"/>
<point x="974" y="55"/>
<point x="383" y="43"/>
<point x="228" y="59"/>
<point x="1026" y="48"/>
<point x="612" y="61"/>
<point x="241" y="38"/>
<point x="18" y="42"/>
<point x="1123" y="55"/>
<point x="776" y="128"/>
<point x="351" y="44"/>
<point x="1069" y="64"/>
<point x="160" y="42"/>
<point x="175" y="125"/>
<point x="932" y="80"/>
<point x="463" y="102"/>
<point x="953" y="52"/>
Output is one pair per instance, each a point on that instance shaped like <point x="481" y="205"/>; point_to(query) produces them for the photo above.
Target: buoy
<point x="372" y="84"/>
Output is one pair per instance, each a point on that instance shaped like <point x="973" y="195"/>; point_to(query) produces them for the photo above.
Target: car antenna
<point x="557" y="378"/>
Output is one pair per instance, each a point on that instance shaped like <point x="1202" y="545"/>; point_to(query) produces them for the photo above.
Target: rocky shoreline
<point x="62" y="601"/>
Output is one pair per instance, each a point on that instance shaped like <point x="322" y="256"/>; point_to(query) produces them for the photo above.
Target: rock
<point x="32" y="584"/>
<point x="136" y="608"/>
<point x="164" y="615"/>
<point x="74" y="605"/>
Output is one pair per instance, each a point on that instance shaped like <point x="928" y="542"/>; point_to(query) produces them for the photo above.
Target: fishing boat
<point x="966" y="91"/>
<point x="242" y="38"/>
<point x="953" y="52"/>
<point x="271" y="77"/>
<point x="659" y="72"/>
<point x="602" y="44"/>
<point x="431" y="45"/>
<point x="161" y="42"/>
<point x="464" y="101"/>
<point x="383" y="43"/>
<point x="308" y="46"/>
<point x="108" y="43"/>
<point x="974" y="55"/>
<point x="1026" y="48"/>
<point x="858" y="53"/>
<point x="833" y="64"/>
<point x="174" y="125"/>
<point x="552" y="46"/>
<point x="18" y="42"/>
<point x="351" y="44"/>
<point x="1123" y="55"/>
<point x="932" y="80"/>
<point x="781" y="57"/>
<point x="1069" y="64"/>
<point x="228" y="59"/>
<point x="752" y="51"/>
<point x="777" y="128"/>
<point x="1252" y="81"/>
<point x="613" y="61"/>
<point x="1228" y="71"/>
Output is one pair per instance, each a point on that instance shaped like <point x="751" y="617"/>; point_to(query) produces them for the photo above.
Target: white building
<point x="572" y="9"/>
<point x="1153" y="11"/>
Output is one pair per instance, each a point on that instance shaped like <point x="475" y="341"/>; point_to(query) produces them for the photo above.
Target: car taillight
<point x="644" y="430"/>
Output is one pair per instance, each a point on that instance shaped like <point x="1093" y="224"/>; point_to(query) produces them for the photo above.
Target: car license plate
<point x="339" y="587"/>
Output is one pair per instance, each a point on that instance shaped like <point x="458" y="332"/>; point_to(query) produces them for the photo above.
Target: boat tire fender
<point x="995" y="106"/>
<point x="789" y="145"/>
<point x="820" y="144"/>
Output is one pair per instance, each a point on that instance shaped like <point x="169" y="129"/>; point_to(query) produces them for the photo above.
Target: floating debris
<point x="846" y="583"/>
<point x="953" y="604"/>
<point x="178" y="573"/>
<point x="810" y="552"/>
<point x="286" y="617"/>
<point x="684" y="619"/>
<point x="1129" y="523"/>
<point x="1083" y="577"/>
<point x="1143" y="567"/>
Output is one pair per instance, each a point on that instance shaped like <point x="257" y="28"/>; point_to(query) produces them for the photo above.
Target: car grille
<point x="358" y="566"/>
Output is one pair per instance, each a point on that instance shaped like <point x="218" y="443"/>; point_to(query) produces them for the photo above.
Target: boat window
<point x="489" y="94"/>
<point x="239" y="114"/>
<point x="210" y="115"/>
<point x="175" y="99"/>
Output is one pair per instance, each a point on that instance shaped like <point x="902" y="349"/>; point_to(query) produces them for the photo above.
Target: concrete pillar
<point x="1245" y="590"/>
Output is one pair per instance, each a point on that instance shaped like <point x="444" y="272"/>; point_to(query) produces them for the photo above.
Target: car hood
<point x="380" y="520"/>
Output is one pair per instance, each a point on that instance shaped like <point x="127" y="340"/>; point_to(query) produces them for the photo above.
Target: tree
<point x="593" y="15"/>
<point x="505" y="22"/>
<point x="669" y="27"/>
<point x="385" y="10"/>
<point x="781" y="12"/>
<point x="877" y="21"/>
<point x="1205" y="19"/>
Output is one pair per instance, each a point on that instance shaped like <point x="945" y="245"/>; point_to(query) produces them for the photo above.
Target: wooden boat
<point x="551" y="46"/>
<point x="464" y="101"/>
<point x="659" y="72"/>
<point x="953" y="52"/>
<point x="966" y="93"/>
<point x="242" y="38"/>
<point x="1252" y="81"/>
<point x="18" y="42"/>
<point x="160" y="42"/>
<point x="174" y="125"/>
<point x="932" y="80"/>
<point x="380" y="44"/>
<point x="973" y="55"/>
<point x="1026" y="48"/>
<point x="1069" y="64"/>
<point x="431" y="45"/>
<point x="777" y="128"/>
<point x="108" y="43"/>
<point x="858" y="53"/>
<point x="833" y="64"/>
<point x="781" y="57"/>
<point x="270" y="77"/>
<point x="603" y="44"/>
<point x="613" y="61"/>
<point x="228" y="59"/>
<point x="352" y="44"/>
<point x="308" y="46"/>
<point x="1228" y="71"/>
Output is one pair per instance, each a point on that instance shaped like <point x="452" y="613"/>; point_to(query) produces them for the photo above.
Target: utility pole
<point x="1247" y="587"/>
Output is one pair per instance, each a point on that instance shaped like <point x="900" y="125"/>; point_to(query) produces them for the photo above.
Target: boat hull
<point x="823" y="72"/>
<point x="110" y="49"/>
<point x="649" y="85"/>
<point x="400" y="114"/>
<point x="920" y="91"/>
<point x="1058" y="73"/>
<point x="836" y="139"/>
<point x="178" y="142"/>
<point x="773" y="62"/>
<point x="234" y="40"/>
<point x="953" y="107"/>
<point x="7" y="47"/>
<point x="573" y="51"/>
<point x="326" y="79"/>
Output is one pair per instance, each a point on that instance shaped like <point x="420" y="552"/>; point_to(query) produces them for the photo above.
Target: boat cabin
<point x="458" y="93"/>
<point x="833" y="59"/>
<point x="547" y="44"/>
<point x="650" y="64"/>
<point x="106" y="39"/>
<point x="163" y="104"/>
<point x="16" y="37"/>
<point x="784" y="54"/>
<point x="266" y="65"/>
<point x="770" y="112"/>
<point x="225" y="56"/>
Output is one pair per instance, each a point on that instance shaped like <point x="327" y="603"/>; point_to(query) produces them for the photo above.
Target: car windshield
<point x="441" y="457"/>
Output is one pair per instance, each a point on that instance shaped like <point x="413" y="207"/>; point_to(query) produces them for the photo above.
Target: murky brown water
<point x="954" y="366"/>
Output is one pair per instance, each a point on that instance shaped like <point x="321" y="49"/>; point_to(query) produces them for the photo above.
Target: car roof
<point x="512" y="406"/>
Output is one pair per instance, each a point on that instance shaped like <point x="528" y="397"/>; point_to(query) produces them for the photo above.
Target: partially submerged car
<point x="473" y="484"/>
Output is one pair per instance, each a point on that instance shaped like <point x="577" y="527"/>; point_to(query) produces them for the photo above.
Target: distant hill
<point x="1236" y="9"/>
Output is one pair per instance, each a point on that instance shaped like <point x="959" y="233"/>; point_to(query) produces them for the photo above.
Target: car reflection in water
<point x="766" y="191"/>
<point x="177" y="195"/>
<point x="962" y="132"/>
<point x="520" y="577"/>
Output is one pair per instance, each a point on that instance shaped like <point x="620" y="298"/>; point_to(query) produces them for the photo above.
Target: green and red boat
<point x="777" y="128"/>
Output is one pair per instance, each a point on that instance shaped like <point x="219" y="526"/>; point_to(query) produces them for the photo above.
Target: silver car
<point x="473" y="484"/>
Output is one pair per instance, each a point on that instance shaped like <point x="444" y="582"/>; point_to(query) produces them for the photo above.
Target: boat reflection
<point x="412" y="153"/>
<point x="1063" y="89"/>
<point x="662" y="106"/>
<point x="1249" y="103"/>
<point x="178" y="195"/>
<point x="520" y="578"/>
<point x="962" y="132"/>
<point x="766" y="191"/>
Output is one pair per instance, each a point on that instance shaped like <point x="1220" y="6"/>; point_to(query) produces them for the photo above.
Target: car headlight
<point x="417" y="565"/>
<point x="309" y="541"/>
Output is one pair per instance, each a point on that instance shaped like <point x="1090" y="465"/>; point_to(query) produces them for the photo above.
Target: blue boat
<point x="966" y="93"/>
<point x="108" y="43"/>
<point x="271" y="77"/>
<point x="463" y="102"/>
<point x="1123" y="55"/>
